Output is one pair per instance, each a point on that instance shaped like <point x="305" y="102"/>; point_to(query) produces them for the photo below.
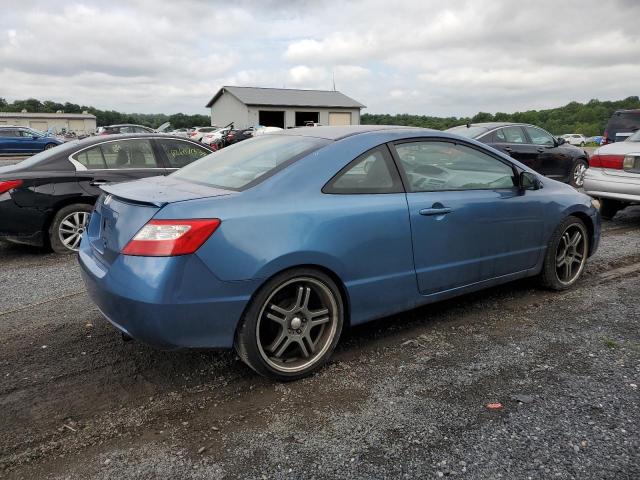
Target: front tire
<point x="576" y="177"/>
<point x="566" y="255"/>
<point x="292" y="325"/>
<point x="68" y="226"/>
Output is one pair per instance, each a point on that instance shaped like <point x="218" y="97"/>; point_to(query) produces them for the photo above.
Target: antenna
<point x="333" y="75"/>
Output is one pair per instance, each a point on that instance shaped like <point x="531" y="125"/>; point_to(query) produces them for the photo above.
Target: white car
<point x="199" y="132"/>
<point x="262" y="130"/>
<point x="209" y="138"/>
<point x="614" y="175"/>
<point x="576" y="139"/>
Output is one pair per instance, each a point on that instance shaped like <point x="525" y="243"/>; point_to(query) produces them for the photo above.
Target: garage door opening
<point x="302" y="118"/>
<point x="268" y="118"/>
<point x="339" y="118"/>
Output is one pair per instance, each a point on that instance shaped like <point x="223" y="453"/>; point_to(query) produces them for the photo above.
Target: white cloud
<point x="421" y="56"/>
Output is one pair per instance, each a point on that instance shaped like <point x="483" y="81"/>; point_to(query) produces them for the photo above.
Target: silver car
<point x="614" y="175"/>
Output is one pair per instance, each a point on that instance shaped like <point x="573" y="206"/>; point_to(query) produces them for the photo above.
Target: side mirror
<point x="34" y="137"/>
<point x="529" y="181"/>
<point x="560" y="141"/>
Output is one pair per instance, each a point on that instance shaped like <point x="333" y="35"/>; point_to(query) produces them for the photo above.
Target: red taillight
<point x="9" y="185"/>
<point x="607" y="161"/>
<point x="166" y="238"/>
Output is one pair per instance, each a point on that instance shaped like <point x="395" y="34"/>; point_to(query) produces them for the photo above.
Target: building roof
<point x="78" y="116"/>
<point x="288" y="97"/>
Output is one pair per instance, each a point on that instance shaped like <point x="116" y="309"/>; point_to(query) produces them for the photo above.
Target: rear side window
<point x="247" y="163"/>
<point x="91" y="158"/>
<point x="510" y="135"/>
<point x="180" y="154"/>
<point x="371" y="172"/>
<point x="8" y="133"/>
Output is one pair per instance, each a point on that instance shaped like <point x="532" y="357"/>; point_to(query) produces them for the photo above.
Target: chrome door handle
<point x="435" y="211"/>
<point x="508" y="149"/>
<point x="97" y="183"/>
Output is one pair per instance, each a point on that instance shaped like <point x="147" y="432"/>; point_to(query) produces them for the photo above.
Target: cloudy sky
<point x="425" y="57"/>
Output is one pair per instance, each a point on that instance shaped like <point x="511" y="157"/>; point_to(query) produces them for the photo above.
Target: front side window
<point x="436" y="166"/>
<point x="371" y="172"/>
<point x="540" y="137"/>
<point x="510" y="135"/>
<point x="244" y="164"/>
<point x="180" y="154"/>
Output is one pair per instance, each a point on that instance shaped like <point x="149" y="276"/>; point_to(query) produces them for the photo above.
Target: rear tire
<point x="49" y="145"/>
<point x="609" y="208"/>
<point x="292" y="325"/>
<point x="68" y="226"/>
<point x="566" y="255"/>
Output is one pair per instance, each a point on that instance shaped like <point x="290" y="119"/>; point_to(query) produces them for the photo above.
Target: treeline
<point x="587" y="118"/>
<point x="106" y="117"/>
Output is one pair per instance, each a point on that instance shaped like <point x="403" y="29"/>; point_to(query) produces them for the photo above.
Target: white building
<point x="79" y="123"/>
<point x="282" y="107"/>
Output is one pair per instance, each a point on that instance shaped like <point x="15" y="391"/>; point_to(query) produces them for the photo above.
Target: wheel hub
<point x="296" y="323"/>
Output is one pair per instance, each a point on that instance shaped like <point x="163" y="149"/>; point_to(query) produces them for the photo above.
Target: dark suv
<point x="621" y="125"/>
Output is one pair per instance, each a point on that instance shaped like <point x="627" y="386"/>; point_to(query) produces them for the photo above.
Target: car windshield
<point x="246" y="163"/>
<point x="469" y="132"/>
<point x="634" y="138"/>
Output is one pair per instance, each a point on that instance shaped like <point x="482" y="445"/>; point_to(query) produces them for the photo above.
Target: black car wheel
<point x="292" y="325"/>
<point x="68" y="226"/>
<point x="566" y="255"/>
<point x="49" y="145"/>
<point x="576" y="178"/>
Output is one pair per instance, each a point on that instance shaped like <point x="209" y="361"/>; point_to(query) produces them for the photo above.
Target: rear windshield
<point x="247" y="163"/>
<point x="469" y="132"/>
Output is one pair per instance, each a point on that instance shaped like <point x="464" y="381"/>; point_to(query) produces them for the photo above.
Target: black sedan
<point x="46" y="199"/>
<point x="534" y="147"/>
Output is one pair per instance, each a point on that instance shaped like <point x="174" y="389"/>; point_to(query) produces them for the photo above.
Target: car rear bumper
<point x="21" y="224"/>
<point x="601" y="185"/>
<point x="166" y="302"/>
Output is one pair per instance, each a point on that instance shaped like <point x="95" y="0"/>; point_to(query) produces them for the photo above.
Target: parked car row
<point x="46" y="199"/>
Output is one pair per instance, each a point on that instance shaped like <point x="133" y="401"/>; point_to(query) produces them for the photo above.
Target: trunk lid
<point x="160" y="191"/>
<point x="126" y="207"/>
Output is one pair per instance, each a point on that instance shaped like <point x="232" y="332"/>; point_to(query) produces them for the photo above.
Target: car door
<point x="178" y="153"/>
<point x="469" y="220"/>
<point x="115" y="161"/>
<point x="9" y="140"/>
<point x="552" y="160"/>
<point x="513" y="141"/>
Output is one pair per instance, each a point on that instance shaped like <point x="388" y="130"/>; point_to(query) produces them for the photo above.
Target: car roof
<point x="491" y="125"/>
<point x="125" y="125"/>
<point x="339" y="132"/>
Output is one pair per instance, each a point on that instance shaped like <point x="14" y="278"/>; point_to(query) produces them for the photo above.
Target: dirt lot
<point x="404" y="397"/>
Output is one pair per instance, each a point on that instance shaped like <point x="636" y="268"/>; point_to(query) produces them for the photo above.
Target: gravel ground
<point x="405" y="396"/>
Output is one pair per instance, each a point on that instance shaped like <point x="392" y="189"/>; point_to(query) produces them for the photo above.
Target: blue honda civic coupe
<point x="275" y="244"/>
